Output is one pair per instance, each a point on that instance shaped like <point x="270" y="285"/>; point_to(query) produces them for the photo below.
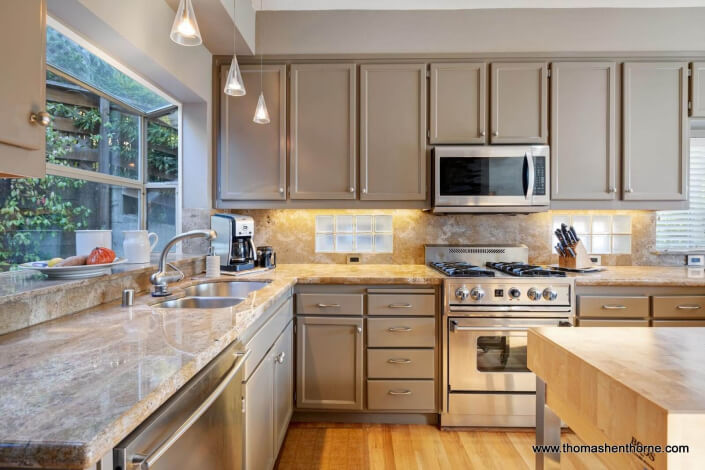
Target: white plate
<point x="73" y="272"/>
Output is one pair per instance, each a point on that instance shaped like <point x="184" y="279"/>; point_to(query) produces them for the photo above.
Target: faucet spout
<point x="161" y="278"/>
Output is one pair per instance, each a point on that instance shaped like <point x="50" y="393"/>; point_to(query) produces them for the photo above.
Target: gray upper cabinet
<point x="322" y="120"/>
<point x="519" y="103"/>
<point x="329" y="363"/>
<point x="393" y="131"/>
<point x="458" y="103"/>
<point x="583" y="130"/>
<point x="697" y="89"/>
<point x="22" y="45"/>
<point x="655" y="133"/>
<point x="252" y="163"/>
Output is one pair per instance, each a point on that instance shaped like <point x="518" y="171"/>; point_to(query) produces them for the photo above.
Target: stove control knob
<point x="477" y="293"/>
<point x="462" y="293"/>
<point x="514" y="293"/>
<point x="534" y="294"/>
<point x="550" y="294"/>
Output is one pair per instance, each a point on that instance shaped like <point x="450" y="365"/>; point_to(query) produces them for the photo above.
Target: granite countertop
<point x="664" y="276"/>
<point x="72" y="388"/>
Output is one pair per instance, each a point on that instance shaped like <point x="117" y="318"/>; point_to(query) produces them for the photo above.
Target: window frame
<point x="142" y="182"/>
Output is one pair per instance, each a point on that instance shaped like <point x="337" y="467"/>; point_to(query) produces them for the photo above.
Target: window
<point x="601" y="234"/>
<point x="112" y="154"/>
<point x="354" y="234"/>
<point x="685" y="230"/>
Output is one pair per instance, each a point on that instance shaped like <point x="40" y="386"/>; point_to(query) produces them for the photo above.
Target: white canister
<point x="87" y="240"/>
<point x="136" y="247"/>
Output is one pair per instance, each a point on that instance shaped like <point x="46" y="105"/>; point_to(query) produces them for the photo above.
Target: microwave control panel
<point x="539" y="176"/>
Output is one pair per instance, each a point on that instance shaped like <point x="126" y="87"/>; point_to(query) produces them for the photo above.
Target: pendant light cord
<point x="261" y="56"/>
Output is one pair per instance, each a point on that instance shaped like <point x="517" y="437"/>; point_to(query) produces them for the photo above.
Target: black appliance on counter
<point x="235" y="241"/>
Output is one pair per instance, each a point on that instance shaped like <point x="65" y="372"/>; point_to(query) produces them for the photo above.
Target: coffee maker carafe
<point x="235" y="241"/>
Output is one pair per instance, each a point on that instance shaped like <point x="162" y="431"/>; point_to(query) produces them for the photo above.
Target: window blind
<point x="685" y="230"/>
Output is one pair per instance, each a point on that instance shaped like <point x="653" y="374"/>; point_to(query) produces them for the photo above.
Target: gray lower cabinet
<point x="583" y="131"/>
<point x="329" y="363"/>
<point x="519" y="103"/>
<point x="252" y="157"/>
<point x="697" y="89"/>
<point x="283" y="359"/>
<point x="322" y="131"/>
<point x="458" y="111"/>
<point x="259" y="412"/>
<point x="655" y="131"/>
<point x="393" y="132"/>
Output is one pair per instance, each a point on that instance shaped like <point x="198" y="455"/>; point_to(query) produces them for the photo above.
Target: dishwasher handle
<point x="146" y="462"/>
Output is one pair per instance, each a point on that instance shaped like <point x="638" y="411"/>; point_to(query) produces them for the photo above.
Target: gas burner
<point x="524" y="270"/>
<point x="460" y="269"/>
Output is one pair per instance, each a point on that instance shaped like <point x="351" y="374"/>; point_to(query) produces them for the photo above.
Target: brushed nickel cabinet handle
<point x="359" y="329"/>
<point x="328" y="305"/>
<point x="614" y="307"/>
<point x="399" y="361"/>
<point x="399" y="329"/>
<point x="689" y="307"/>
<point x="482" y="133"/>
<point x="279" y="358"/>
<point x="400" y="305"/>
<point x="495" y="133"/>
<point x="352" y="189"/>
<point x="364" y="190"/>
<point x="42" y="118"/>
<point x="629" y="190"/>
<point x="281" y="190"/>
<point x="613" y="189"/>
<point x="399" y="392"/>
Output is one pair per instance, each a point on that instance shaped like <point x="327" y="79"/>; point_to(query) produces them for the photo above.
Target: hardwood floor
<point x="403" y="447"/>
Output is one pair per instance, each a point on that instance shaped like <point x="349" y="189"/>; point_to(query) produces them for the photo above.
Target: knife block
<point x="581" y="260"/>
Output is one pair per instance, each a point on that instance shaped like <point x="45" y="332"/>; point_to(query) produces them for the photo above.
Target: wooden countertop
<point x="617" y="385"/>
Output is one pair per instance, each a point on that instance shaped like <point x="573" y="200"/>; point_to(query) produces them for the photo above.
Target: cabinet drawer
<point x="613" y="306"/>
<point x="329" y="304"/>
<point x="613" y="322"/>
<point x="689" y="323"/>
<point x="401" y="332"/>
<point x="680" y="306"/>
<point x="400" y="363"/>
<point x="401" y="304"/>
<point x="400" y="395"/>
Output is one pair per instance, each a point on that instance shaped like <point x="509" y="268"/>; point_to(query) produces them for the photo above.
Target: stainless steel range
<point x="492" y="296"/>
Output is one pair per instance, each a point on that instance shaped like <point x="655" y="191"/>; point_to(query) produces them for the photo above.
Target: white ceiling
<point x="464" y="4"/>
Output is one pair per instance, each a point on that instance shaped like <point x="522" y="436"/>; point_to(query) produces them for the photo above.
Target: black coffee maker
<point x="235" y="241"/>
<point x="266" y="257"/>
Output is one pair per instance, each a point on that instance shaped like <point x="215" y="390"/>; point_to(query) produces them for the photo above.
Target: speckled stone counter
<point x="72" y="388"/>
<point x="656" y="276"/>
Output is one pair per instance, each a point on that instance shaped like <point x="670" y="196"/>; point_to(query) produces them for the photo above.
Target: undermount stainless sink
<point x="224" y="289"/>
<point x="200" y="302"/>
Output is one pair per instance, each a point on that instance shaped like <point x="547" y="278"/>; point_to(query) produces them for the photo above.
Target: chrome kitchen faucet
<point x="162" y="278"/>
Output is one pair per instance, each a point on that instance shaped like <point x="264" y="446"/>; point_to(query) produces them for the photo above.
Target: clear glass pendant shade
<point x="261" y="113"/>
<point x="185" y="30"/>
<point x="234" y="86"/>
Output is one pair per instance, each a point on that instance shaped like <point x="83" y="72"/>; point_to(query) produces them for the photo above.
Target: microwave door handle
<point x="531" y="175"/>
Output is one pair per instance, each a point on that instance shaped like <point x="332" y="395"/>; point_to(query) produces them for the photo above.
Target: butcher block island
<point x="618" y="386"/>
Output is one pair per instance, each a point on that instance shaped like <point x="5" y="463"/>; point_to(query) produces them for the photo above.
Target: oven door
<point x="491" y="176"/>
<point x="489" y="354"/>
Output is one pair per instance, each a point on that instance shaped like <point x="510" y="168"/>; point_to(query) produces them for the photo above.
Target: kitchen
<point x="264" y="234"/>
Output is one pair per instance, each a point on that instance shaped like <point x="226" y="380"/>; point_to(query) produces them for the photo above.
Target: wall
<point x="466" y="31"/>
<point x="291" y="233"/>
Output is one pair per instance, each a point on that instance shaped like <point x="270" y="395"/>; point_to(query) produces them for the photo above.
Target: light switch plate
<point x="696" y="260"/>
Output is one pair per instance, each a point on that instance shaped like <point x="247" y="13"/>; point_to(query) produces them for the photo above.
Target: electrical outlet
<point x="695" y="260"/>
<point x="596" y="260"/>
<point x="354" y="259"/>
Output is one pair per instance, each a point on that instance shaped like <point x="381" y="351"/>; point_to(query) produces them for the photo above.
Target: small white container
<point x="87" y="240"/>
<point x="212" y="266"/>
<point x="136" y="246"/>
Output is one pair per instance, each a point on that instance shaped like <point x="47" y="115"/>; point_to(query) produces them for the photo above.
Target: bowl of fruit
<point x="96" y="263"/>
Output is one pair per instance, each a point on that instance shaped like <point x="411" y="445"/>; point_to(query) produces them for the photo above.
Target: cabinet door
<point x="252" y="157"/>
<point x="655" y="131"/>
<point x="329" y="363"/>
<point x="393" y="132"/>
<point x="458" y="103"/>
<point x="583" y="128"/>
<point x="283" y="359"/>
<point x="697" y="88"/>
<point x="323" y="131"/>
<point x="259" y="417"/>
<point x="519" y="103"/>
<point x="22" y="45"/>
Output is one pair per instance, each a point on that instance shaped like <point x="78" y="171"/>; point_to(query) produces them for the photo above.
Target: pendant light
<point x="185" y="30"/>
<point x="261" y="113"/>
<point x="234" y="86"/>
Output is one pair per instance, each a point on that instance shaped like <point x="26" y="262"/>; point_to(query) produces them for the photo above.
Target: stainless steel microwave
<point x="498" y="178"/>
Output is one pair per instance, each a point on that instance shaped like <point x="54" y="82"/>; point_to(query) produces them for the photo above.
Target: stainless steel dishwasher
<point x="201" y="426"/>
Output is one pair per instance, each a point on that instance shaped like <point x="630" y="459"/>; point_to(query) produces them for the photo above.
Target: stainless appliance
<point x="266" y="257"/>
<point x="497" y="178"/>
<point x="199" y="427"/>
<point x="485" y="322"/>
<point x="235" y="241"/>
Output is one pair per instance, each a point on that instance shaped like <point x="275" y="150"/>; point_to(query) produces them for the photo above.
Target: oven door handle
<point x="531" y="175"/>
<point x="455" y="327"/>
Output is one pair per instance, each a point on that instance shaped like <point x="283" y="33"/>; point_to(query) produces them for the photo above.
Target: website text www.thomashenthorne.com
<point x="642" y="451"/>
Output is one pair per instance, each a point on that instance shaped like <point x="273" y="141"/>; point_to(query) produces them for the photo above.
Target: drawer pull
<point x="328" y="305"/>
<point x="400" y="305"/>
<point x="399" y="392"/>
<point x="688" y="307"/>
<point x="399" y="361"/>
<point x="614" y="307"/>
<point x="399" y="329"/>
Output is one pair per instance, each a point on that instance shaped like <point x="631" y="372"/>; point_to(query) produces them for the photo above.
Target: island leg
<point x="548" y="430"/>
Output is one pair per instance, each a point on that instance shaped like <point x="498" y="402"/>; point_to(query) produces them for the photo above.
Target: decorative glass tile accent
<point x="600" y="234"/>
<point x="354" y="234"/>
